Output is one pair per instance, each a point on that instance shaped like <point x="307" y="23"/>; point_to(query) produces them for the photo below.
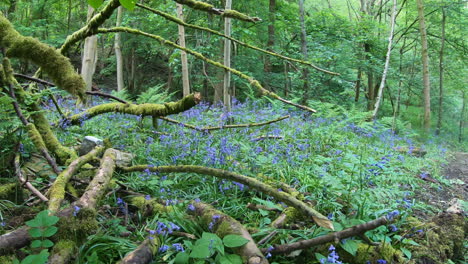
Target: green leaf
<point x="406" y="252"/>
<point x="128" y="4"/>
<point x="319" y="256"/>
<point x="35" y="232"/>
<point x="43" y="219"/>
<point x="232" y="241"/>
<point x="95" y="3"/>
<point x="50" y="231"/>
<point x="47" y="243"/>
<point x="36" y="243"/>
<point x="181" y="258"/>
<point x="350" y="246"/>
<point x="230" y="259"/>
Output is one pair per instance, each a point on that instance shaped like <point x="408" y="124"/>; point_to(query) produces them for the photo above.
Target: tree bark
<point x="267" y="66"/>
<point x="88" y="65"/>
<point x="227" y="59"/>
<point x="305" y="71"/>
<point x="425" y="62"/>
<point x="118" y="52"/>
<point x="387" y="61"/>
<point x="183" y="54"/>
<point x="462" y="119"/>
<point x="441" y="72"/>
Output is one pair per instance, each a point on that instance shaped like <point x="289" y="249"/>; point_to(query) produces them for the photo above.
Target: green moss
<point x="78" y="227"/>
<point x="6" y="259"/>
<point x="64" y="247"/>
<point x="11" y="192"/>
<point x="370" y="253"/>
<point x="149" y="207"/>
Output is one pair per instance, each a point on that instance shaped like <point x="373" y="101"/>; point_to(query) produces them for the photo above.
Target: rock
<point x="89" y="143"/>
<point x="123" y="159"/>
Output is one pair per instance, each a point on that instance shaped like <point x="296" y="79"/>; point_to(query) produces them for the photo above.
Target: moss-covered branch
<point x="54" y="64"/>
<point x="143" y="253"/>
<point x="23" y="181"/>
<point x="155" y="110"/>
<point x="206" y="129"/>
<point x="256" y="84"/>
<point x="183" y="23"/>
<point x="336" y="236"/>
<point x="249" y="181"/>
<point x="202" y="6"/>
<point x="90" y="28"/>
<point x="223" y="225"/>
<point x="57" y="191"/>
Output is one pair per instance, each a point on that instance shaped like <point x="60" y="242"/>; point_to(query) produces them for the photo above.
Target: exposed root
<point x="143" y="253"/>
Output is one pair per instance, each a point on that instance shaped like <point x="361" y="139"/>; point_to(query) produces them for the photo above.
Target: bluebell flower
<point x="147" y="197"/>
<point x="178" y="247"/>
<point x="393" y="228"/>
<point x="76" y="209"/>
<point x="381" y="261"/>
<point x="392" y="215"/>
<point x="191" y="207"/>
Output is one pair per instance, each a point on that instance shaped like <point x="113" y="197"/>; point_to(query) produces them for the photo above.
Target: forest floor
<point x="456" y="172"/>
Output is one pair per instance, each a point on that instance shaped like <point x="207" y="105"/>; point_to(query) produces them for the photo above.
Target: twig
<point x="267" y="237"/>
<point x="25" y="182"/>
<point x="107" y="96"/>
<point x="349" y="232"/>
<point x="267" y="137"/>
<point x="37" y="80"/>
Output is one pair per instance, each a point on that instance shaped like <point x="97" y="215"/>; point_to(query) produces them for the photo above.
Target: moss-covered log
<point x="57" y="191"/>
<point x="54" y="64"/>
<point x="139" y="110"/>
<point x="143" y="253"/>
<point x="62" y="252"/>
<point x="224" y="225"/>
<point x="249" y="181"/>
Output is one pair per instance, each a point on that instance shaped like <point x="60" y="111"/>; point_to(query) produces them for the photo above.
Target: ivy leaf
<point x="181" y="258"/>
<point x="128" y="4"/>
<point x="350" y="246"/>
<point x="35" y="232"/>
<point x="232" y="241"/>
<point x="95" y="3"/>
<point x="36" y="243"/>
<point x="47" y="243"/>
<point x="50" y="231"/>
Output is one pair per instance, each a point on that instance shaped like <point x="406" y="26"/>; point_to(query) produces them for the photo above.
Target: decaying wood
<point x="226" y="225"/>
<point x="26" y="183"/>
<point x="143" y="253"/>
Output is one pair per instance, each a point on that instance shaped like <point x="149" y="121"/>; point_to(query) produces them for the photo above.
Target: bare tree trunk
<point x="227" y="59"/>
<point x="387" y="61"/>
<point x="305" y="71"/>
<point x="357" y="87"/>
<point x="118" y="53"/>
<point x="370" y="80"/>
<point x="267" y="66"/>
<point x="425" y="62"/>
<point x="183" y="54"/>
<point x="462" y="117"/>
<point x="88" y="65"/>
<point x="441" y="73"/>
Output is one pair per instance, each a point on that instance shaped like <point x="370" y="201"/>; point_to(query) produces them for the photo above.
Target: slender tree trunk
<point x="387" y="61"/>
<point x="227" y="59"/>
<point x="425" y="62"/>
<point x="305" y="70"/>
<point x="118" y="53"/>
<point x="88" y="65"/>
<point x="370" y="80"/>
<point x="183" y="54"/>
<point x="441" y="73"/>
<point x="357" y="87"/>
<point x="287" y="78"/>
<point x="462" y="117"/>
<point x="267" y="66"/>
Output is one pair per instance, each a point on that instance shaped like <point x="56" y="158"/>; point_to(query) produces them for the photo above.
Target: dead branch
<point x="225" y="225"/>
<point x="26" y="183"/>
<point x="336" y="236"/>
<point x="37" y="80"/>
<point x="107" y="96"/>
<point x="156" y="110"/>
<point x="267" y="237"/>
<point x="249" y="181"/>
<point x="267" y="137"/>
<point x="202" y="6"/>
<point x="143" y="253"/>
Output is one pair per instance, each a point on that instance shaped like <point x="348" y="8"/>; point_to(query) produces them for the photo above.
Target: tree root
<point x="141" y="110"/>
<point x="143" y="253"/>
<point x="249" y="181"/>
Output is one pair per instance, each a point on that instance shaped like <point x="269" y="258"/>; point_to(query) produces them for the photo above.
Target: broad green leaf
<point x="406" y="252"/>
<point x="201" y="250"/>
<point x="47" y="243"/>
<point x="350" y="246"/>
<point x="181" y="258"/>
<point x="34" y="223"/>
<point x="36" y="243"/>
<point x="51" y="220"/>
<point x="95" y="3"/>
<point x="35" y="232"/>
<point x="128" y="4"/>
<point x="230" y="259"/>
<point x="214" y="242"/>
<point x="50" y="231"/>
<point x="234" y="241"/>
